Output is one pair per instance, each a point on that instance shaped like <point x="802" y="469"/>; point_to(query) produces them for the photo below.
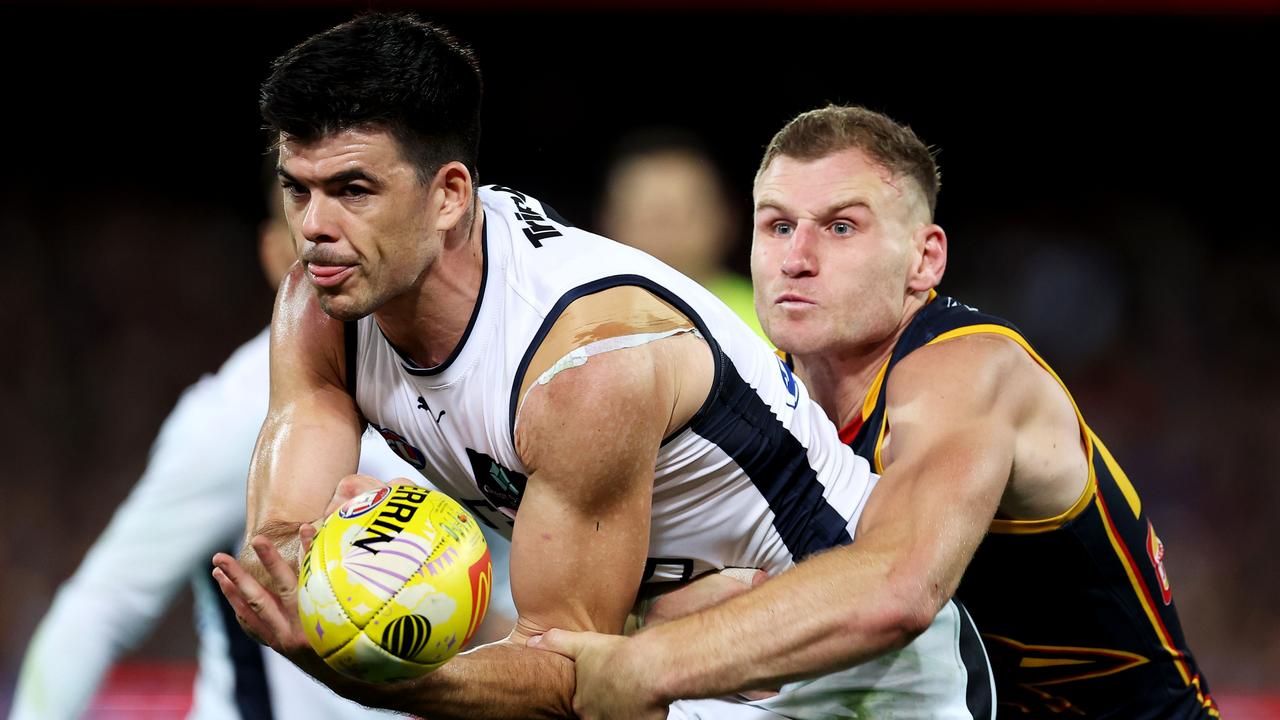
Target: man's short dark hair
<point x="381" y="70"/>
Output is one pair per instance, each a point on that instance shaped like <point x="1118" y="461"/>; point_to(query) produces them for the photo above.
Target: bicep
<point x="590" y="438"/>
<point x="952" y="427"/>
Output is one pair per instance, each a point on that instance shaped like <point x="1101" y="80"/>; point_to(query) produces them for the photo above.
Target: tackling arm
<point x="955" y="412"/>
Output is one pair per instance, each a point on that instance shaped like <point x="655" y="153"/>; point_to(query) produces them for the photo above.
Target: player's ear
<point x="929" y="261"/>
<point x="452" y="190"/>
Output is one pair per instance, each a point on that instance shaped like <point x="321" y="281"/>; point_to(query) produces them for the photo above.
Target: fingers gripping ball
<point x="396" y="582"/>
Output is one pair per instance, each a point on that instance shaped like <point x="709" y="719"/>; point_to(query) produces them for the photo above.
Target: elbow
<point x="900" y="617"/>
<point x="897" y="628"/>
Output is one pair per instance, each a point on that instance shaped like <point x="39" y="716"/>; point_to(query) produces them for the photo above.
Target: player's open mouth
<point x="328" y="275"/>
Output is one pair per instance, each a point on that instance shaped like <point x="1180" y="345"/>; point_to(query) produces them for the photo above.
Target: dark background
<point x="1109" y="183"/>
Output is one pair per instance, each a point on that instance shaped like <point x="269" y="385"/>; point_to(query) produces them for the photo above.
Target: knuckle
<point x="348" y="486"/>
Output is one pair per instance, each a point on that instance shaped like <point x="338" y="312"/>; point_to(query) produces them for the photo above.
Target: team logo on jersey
<point x="789" y="382"/>
<point x="401" y="447"/>
<point x="362" y="504"/>
<point x="1155" y="551"/>
<point x="503" y="488"/>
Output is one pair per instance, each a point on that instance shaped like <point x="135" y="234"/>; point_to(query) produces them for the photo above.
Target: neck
<point x="428" y="322"/>
<point x="839" y="380"/>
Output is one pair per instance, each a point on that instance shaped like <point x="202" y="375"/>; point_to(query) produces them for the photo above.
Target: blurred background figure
<point x="664" y="195"/>
<point x="189" y="504"/>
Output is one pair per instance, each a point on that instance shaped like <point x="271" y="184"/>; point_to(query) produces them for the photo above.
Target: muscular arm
<point x="589" y="438"/>
<point x="311" y="436"/>
<point x="955" y="411"/>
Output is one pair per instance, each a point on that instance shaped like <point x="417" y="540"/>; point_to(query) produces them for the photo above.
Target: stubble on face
<point x="849" y="292"/>
<point x="363" y="244"/>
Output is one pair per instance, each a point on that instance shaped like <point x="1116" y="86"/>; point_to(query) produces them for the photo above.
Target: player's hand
<point x="353" y="485"/>
<point x="268" y="614"/>
<point x="612" y="683"/>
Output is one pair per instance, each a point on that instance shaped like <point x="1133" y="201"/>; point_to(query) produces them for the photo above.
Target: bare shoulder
<point x="989" y="389"/>
<point x="304" y="340"/>
<point x="616" y="363"/>
<point x="972" y="371"/>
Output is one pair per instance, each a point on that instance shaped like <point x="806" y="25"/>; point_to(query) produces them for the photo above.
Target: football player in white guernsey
<point x="189" y="503"/>
<point x="637" y="429"/>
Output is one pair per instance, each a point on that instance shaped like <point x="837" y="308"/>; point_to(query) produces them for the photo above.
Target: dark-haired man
<point x="643" y="432"/>
<point x="196" y="470"/>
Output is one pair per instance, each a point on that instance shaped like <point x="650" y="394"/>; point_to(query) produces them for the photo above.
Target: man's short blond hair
<point x="818" y="133"/>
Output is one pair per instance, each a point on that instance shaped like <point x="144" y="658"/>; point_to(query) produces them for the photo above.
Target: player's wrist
<point x="654" y="668"/>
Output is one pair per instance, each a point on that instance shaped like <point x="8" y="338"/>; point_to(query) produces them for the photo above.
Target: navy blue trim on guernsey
<point x="745" y="428"/>
<point x="941" y="315"/>
<point x="740" y="423"/>
<point x="980" y="688"/>
<point x="252" y="699"/>
<point x="591" y="288"/>
<point x="414" y="368"/>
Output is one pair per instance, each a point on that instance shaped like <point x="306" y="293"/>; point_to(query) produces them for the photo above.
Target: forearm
<point x="831" y="612"/>
<point x="499" y="681"/>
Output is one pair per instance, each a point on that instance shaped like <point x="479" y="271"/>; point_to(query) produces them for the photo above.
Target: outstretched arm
<point x="955" y="411"/>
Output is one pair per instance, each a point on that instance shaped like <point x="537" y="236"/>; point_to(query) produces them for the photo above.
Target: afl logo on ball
<point x="362" y="504"/>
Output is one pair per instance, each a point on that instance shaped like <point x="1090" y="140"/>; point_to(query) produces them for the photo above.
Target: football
<point x="395" y="583"/>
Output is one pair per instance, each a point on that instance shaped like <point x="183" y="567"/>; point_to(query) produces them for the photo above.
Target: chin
<point x="342" y="308"/>
<point x="795" y="340"/>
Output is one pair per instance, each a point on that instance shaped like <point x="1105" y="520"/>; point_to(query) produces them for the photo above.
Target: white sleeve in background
<point x="188" y="504"/>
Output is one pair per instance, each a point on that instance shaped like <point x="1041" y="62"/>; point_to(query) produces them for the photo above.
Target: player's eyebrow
<point x="768" y="204"/>
<point x="338" y="178"/>
<point x="853" y="201"/>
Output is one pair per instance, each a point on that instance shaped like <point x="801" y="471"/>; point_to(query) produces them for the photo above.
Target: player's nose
<point x="800" y="258"/>
<point x="319" y="219"/>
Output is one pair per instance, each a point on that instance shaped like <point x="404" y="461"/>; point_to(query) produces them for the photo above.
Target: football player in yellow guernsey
<point x="973" y="433"/>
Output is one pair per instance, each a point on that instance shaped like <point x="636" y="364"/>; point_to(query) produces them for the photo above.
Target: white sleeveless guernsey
<point x="758" y="478"/>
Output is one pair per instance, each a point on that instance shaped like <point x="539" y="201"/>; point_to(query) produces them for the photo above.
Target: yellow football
<point x="396" y="582"/>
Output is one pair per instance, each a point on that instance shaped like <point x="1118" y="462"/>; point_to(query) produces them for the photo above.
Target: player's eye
<point x="842" y="228"/>
<point x="783" y="229"/>
<point x="294" y="190"/>
<point x="354" y="191"/>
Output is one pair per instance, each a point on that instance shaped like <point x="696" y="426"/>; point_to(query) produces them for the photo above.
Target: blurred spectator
<point x="664" y="196"/>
